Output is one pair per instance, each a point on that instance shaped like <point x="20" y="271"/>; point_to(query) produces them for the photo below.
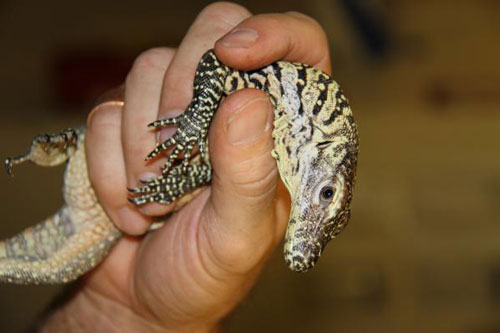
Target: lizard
<point x="315" y="146"/>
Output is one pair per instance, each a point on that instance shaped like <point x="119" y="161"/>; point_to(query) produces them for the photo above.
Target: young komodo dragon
<point x="315" y="146"/>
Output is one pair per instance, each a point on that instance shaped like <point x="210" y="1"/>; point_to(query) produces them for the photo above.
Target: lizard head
<point x="321" y="204"/>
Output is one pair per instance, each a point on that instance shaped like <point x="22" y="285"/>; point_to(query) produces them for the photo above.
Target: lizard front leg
<point x="193" y="124"/>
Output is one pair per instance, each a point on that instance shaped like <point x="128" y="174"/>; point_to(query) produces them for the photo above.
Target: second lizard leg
<point x="168" y="188"/>
<point x="47" y="150"/>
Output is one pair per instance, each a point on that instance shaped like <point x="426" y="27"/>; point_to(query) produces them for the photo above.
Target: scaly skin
<point x="316" y="147"/>
<point x="73" y="240"/>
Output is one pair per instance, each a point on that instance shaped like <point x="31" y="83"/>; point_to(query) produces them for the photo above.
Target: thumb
<point x="242" y="222"/>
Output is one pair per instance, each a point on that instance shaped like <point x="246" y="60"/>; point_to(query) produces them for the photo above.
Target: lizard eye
<point x="327" y="193"/>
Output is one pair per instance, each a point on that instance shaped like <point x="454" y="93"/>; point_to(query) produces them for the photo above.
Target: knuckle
<point x="312" y="25"/>
<point x="312" y="22"/>
<point x="103" y="116"/>
<point x="256" y="185"/>
<point x="224" y="13"/>
<point x="304" y="17"/>
<point x="153" y="59"/>
<point x="239" y="252"/>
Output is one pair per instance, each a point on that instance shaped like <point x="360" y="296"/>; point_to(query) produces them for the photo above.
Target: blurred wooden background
<point x="422" y="252"/>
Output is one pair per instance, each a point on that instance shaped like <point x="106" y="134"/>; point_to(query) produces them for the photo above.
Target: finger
<point x="263" y="39"/>
<point x="244" y="175"/>
<point x="142" y="96"/>
<point x="211" y="24"/>
<point x="107" y="169"/>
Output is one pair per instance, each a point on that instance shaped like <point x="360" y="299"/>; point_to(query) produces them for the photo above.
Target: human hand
<point x="194" y="270"/>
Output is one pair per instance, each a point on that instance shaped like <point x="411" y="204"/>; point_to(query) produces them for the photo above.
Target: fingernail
<point x="248" y="123"/>
<point x="240" y="38"/>
<point x="131" y="221"/>
<point x="147" y="176"/>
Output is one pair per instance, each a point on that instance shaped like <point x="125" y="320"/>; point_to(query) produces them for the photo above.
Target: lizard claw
<point x="161" y="147"/>
<point x="8" y="166"/>
<point x="168" y="188"/>
<point x="140" y="189"/>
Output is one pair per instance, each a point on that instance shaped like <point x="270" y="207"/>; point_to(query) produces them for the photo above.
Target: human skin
<point x="192" y="272"/>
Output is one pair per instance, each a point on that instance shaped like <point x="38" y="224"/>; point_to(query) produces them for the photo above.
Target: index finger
<point x="263" y="39"/>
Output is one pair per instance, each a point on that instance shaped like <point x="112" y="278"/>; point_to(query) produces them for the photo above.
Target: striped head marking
<point x="320" y="210"/>
<point x="321" y="188"/>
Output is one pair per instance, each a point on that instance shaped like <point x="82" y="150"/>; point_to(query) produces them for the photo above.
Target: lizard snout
<point x="303" y="256"/>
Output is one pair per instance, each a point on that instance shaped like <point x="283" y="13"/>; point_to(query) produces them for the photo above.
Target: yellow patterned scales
<point x="315" y="145"/>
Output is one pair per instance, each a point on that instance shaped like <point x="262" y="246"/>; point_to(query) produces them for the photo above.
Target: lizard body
<point x="315" y="145"/>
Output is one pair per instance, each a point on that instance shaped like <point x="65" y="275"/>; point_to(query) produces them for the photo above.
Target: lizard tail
<point x="56" y="250"/>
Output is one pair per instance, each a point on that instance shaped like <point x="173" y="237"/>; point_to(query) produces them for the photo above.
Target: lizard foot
<point x="191" y="131"/>
<point x="167" y="188"/>
<point x="47" y="150"/>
